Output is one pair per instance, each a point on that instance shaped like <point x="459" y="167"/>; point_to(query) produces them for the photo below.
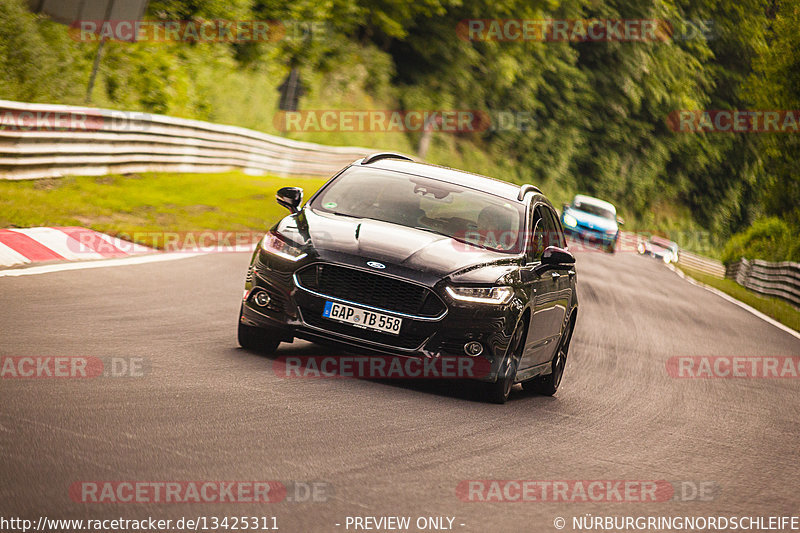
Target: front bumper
<point x="297" y="312"/>
<point x="590" y="236"/>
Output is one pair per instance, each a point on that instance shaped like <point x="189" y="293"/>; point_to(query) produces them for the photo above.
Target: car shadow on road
<point x="461" y="389"/>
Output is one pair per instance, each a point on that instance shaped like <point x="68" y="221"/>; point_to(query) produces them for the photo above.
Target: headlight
<point x="570" y="220"/>
<point x="482" y="295"/>
<point x="275" y="245"/>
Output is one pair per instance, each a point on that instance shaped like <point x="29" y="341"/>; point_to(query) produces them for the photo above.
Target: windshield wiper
<point x="345" y="214"/>
<point x="452" y="237"/>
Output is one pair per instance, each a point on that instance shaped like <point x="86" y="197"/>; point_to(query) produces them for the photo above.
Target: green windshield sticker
<point x="330" y="205"/>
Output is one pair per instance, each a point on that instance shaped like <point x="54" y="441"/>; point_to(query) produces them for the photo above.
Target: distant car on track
<point x="592" y="221"/>
<point x="660" y="248"/>
<point x="409" y="259"/>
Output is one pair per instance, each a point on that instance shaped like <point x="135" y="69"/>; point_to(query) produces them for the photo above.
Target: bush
<point x="770" y="239"/>
<point x="38" y="61"/>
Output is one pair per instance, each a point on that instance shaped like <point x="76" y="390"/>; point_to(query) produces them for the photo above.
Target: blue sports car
<point x="592" y="221"/>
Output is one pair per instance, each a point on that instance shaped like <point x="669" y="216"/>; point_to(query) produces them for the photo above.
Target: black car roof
<point x="494" y="186"/>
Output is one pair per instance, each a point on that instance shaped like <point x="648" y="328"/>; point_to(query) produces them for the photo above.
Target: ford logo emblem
<point x="375" y="264"/>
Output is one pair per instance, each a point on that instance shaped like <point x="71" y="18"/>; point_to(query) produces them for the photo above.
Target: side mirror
<point x="620" y="221"/>
<point x="290" y="198"/>
<point x="553" y="255"/>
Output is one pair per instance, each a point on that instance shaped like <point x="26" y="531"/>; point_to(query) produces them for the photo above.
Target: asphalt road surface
<point x="206" y="409"/>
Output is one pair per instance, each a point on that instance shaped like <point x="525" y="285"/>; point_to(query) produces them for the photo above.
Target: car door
<point x="563" y="275"/>
<point x="544" y="285"/>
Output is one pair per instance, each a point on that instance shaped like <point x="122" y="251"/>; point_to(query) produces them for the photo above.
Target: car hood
<point x="357" y="240"/>
<point x="593" y="221"/>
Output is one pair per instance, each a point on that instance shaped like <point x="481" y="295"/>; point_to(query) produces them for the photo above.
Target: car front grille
<point x="450" y="346"/>
<point x="586" y="227"/>
<point x="370" y="289"/>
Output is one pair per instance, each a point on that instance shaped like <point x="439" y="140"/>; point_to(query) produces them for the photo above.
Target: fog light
<point x="473" y="348"/>
<point x="261" y="298"/>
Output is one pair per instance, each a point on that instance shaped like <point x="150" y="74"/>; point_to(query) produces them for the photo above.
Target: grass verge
<point x="149" y="203"/>
<point x="776" y="308"/>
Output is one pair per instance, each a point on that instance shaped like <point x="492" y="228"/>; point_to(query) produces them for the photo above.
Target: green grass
<point x="775" y="308"/>
<point x="149" y="202"/>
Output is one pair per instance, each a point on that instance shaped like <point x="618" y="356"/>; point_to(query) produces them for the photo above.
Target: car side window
<point x="557" y="238"/>
<point x="533" y="230"/>
<point x="542" y="233"/>
<point x="536" y="241"/>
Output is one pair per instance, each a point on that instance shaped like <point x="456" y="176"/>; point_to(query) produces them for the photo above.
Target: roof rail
<point x="525" y="189"/>
<point x="383" y="155"/>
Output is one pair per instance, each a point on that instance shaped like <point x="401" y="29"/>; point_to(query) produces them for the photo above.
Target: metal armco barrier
<point x="774" y="279"/>
<point x="703" y="264"/>
<point x="45" y="141"/>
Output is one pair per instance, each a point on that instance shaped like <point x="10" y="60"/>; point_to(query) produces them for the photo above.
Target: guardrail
<point x="774" y="279"/>
<point x="43" y="141"/>
<point x="703" y="264"/>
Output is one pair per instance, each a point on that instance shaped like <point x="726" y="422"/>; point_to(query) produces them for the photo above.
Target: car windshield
<point x="594" y="210"/>
<point x="461" y="213"/>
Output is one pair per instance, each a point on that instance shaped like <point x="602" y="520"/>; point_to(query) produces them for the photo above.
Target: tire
<point x="611" y="248"/>
<point x="499" y="391"/>
<point x="257" y="339"/>
<point x="548" y="385"/>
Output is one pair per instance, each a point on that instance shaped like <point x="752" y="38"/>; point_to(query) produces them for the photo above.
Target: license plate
<point x="362" y="318"/>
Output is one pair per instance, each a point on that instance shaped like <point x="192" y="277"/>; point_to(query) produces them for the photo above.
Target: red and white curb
<point x="73" y="248"/>
<point x="22" y="246"/>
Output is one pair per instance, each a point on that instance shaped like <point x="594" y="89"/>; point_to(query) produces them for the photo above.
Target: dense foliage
<point x="770" y="239"/>
<point x="599" y="110"/>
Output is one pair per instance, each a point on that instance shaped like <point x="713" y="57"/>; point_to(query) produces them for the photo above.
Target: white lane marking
<point x="59" y="242"/>
<point x="133" y="260"/>
<point x="733" y="300"/>
<point x="9" y="256"/>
